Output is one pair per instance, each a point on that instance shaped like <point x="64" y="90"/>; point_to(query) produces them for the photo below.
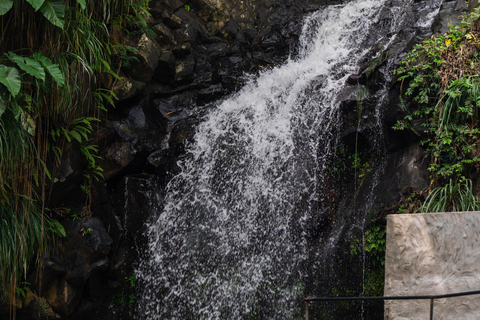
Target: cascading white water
<point x="232" y="238"/>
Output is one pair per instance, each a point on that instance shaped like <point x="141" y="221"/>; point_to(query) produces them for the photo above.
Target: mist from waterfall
<point x="232" y="241"/>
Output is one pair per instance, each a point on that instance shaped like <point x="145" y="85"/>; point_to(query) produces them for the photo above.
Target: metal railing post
<point x="306" y="310"/>
<point x="431" y="309"/>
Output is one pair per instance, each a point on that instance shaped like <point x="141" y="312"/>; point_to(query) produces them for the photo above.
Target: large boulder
<point x="165" y="71"/>
<point x="145" y="61"/>
<point x="126" y="88"/>
<point x="82" y="254"/>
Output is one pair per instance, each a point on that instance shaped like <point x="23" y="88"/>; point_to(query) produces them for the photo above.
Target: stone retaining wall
<point x="433" y="254"/>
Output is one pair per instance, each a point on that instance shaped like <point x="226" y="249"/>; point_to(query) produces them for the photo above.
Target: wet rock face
<point x="197" y="56"/>
<point x="76" y="259"/>
<point x="391" y="165"/>
<point x="189" y="57"/>
<point x="253" y="33"/>
<point x="404" y="166"/>
<point x="201" y="52"/>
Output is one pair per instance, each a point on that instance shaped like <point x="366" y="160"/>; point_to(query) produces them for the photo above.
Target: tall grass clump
<point x="454" y="196"/>
<point x="20" y="235"/>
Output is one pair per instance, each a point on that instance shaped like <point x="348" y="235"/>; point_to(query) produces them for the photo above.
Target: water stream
<point x="233" y="240"/>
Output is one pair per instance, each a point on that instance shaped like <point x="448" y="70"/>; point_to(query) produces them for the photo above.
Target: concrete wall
<point x="430" y="254"/>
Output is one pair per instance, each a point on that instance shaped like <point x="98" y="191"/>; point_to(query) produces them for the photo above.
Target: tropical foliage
<point x="57" y="65"/>
<point x="443" y="84"/>
<point x="452" y="197"/>
<point x="22" y="235"/>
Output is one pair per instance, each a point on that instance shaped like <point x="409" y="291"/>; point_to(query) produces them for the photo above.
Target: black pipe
<point x="431" y="297"/>
<point x="450" y="295"/>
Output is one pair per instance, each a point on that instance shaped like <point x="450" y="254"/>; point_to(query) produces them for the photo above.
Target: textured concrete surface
<point x="433" y="254"/>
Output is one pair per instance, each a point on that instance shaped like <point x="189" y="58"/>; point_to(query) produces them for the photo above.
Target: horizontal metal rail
<point x="426" y="297"/>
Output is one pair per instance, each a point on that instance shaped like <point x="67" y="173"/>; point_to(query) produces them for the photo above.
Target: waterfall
<point x="233" y="240"/>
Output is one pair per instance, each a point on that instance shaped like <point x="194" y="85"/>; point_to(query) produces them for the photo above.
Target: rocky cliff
<point x="192" y="54"/>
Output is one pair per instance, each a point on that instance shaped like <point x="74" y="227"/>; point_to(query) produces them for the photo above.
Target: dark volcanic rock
<point x="406" y="168"/>
<point x="450" y="15"/>
<point x="185" y="70"/>
<point x="126" y="88"/>
<point x="146" y="59"/>
<point x="165" y="71"/>
<point x="200" y="55"/>
<point x="83" y="254"/>
<point x="164" y="34"/>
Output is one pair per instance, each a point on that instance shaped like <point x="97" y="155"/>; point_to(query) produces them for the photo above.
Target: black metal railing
<point x="430" y="297"/>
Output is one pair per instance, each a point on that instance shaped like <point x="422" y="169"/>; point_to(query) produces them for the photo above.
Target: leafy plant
<point x="131" y="280"/>
<point x="362" y="167"/>
<point x="123" y="297"/>
<point x="56" y="73"/>
<point x="85" y="231"/>
<point x="57" y="228"/>
<point x="442" y="75"/>
<point x="53" y="10"/>
<point x="19" y="239"/>
<point x="454" y="196"/>
<point x="373" y="246"/>
<point x="409" y="203"/>
<point x="402" y="209"/>
<point x="125" y="54"/>
<point x="22" y="288"/>
<point x="375" y="243"/>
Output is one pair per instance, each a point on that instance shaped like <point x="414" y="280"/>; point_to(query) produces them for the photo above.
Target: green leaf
<point x="52" y="68"/>
<point x="58" y="228"/>
<point x="3" y="106"/>
<point x="67" y="135"/>
<point x="76" y="135"/>
<point x="105" y="63"/>
<point x="28" y="65"/>
<point x="36" y="4"/>
<point x="54" y="11"/>
<point x="113" y="74"/>
<point x="5" y="6"/>
<point x="10" y="78"/>
<point x="82" y="4"/>
<point x="17" y="111"/>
